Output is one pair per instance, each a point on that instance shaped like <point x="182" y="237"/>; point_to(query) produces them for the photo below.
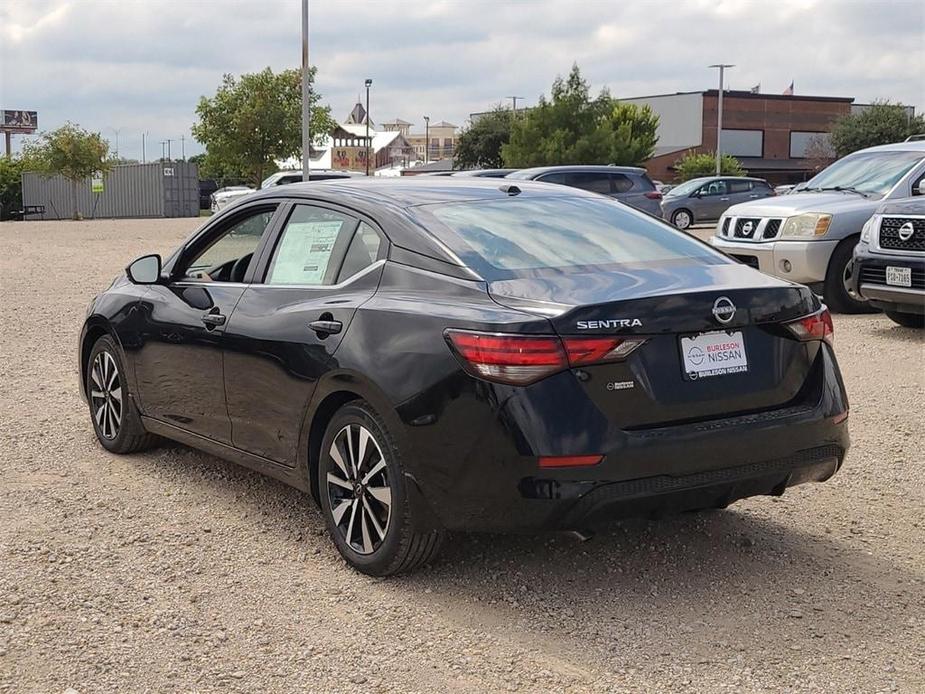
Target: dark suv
<point x="628" y="184"/>
<point x="889" y="261"/>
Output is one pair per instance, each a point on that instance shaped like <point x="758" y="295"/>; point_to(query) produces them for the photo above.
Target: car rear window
<point x="643" y="182"/>
<point x="537" y="236"/>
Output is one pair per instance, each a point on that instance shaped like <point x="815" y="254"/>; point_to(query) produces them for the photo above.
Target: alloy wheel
<point x="682" y="220"/>
<point x="847" y="277"/>
<point x="358" y="489"/>
<point x="106" y="395"/>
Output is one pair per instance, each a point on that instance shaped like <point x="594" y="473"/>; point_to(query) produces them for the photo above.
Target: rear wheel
<point x="682" y="219"/>
<point x="115" y="419"/>
<point x="839" y="293"/>
<point x="907" y="320"/>
<point x="364" y="496"/>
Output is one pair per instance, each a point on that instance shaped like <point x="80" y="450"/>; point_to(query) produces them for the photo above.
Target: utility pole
<point x="369" y="83"/>
<point x="116" y="131"/>
<point x="144" y="135"/>
<point x="183" y="147"/>
<point x="306" y="110"/>
<point x="169" y="158"/>
<point x="719" y="117"/>
<point x="514" y="100"/>
<point x="426" y="139"/>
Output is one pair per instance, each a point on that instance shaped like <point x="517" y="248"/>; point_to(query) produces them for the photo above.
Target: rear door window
<point x="589" y="180"/>
<point x="739" y="186"/>
<point x="622" y="183"/>
<point x="312" y="242"/>
<point x="552" y="178"/>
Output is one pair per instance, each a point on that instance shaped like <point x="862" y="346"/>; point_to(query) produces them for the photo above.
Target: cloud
<point x="142" y="66"/>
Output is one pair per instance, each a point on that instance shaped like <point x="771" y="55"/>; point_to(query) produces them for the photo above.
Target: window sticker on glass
<point x="304" y="252"/>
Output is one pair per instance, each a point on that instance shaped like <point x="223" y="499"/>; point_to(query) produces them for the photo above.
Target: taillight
<point x="516" y="359"/>
<point x="525" y="359"/>
<point x="654" y="195"/>
<point x="594" y="350"/>
<point x="817" y="326"/>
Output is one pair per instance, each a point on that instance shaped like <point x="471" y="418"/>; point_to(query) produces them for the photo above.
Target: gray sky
<point x="141" y="65"/>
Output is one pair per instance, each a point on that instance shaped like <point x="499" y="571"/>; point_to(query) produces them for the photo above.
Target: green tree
<point x="573" y="128"/>
<point x="70" y="151"/>
<point x="697" y="164"/>
<point x="479" y="146"/>
<point x="879" y="124"/>
<point x="256" y="119"/>
<point x="11" y="169"/>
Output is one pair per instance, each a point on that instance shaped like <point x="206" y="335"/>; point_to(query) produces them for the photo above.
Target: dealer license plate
<point x="714" y="354"/>
<point x="899" y="276"/>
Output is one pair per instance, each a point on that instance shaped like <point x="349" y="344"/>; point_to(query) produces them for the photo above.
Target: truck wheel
<point x="907" y="320"/>
<point x="837" y="291"/>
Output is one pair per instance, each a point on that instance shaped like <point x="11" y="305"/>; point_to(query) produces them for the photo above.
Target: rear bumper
<point x="808" y="260"/>
<point x="496" y="487"/>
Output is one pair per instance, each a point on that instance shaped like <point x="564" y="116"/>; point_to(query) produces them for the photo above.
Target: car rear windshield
<point x="538" y="236"/>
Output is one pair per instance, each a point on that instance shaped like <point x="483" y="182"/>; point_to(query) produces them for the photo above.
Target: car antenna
<point x="510" y="189"/>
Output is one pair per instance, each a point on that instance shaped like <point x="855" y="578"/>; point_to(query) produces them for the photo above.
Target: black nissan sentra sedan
<point x="460" y="354"/>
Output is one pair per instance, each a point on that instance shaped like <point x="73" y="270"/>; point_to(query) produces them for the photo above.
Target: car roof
<point x="576" y="168"/>
<point x="915" y="146"/>
<point x="408" y="191"/>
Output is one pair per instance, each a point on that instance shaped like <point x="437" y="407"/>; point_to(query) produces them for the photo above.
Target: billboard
<point x="20" y="121"/>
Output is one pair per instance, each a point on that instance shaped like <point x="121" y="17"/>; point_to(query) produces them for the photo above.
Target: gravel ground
<point x="175" y="571"/>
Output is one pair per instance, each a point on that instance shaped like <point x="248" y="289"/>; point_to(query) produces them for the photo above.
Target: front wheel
<point x="364" y="496"/>
<point x="839" y="292"/>
<point x="116" y="421"/>
<point x="907" y="320"/>
<point x="682" y="219"/>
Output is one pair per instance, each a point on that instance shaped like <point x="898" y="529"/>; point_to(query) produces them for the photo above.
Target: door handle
<point x="326" y="327"/>
<point x="213" y="320"/>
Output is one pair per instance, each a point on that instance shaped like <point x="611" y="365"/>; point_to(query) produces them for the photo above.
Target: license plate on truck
<point x="899" y="276"/>
<point x="713" y="354"/>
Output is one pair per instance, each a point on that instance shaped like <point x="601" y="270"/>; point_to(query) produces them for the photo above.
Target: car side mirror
<point x="697" y="194"/>
<point x="145" y="270"/>
<point x="920" y="188"/>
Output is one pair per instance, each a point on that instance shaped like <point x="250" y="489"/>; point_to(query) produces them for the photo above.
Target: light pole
<point x="306" y="111"/>
<point x="426" y="139"/>
<point x="116" y="131"/>
<point x="369" y="83"/>
<point x="514" y="100"/>
<point x="144" y="135"/>
<point x="719" y="117"/>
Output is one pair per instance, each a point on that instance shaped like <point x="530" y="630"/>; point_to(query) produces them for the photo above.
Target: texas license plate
<point x="714" y="354"/>
<point x="899" y="276"/>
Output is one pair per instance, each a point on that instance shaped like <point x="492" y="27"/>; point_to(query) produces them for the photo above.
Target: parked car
<point x="889" y="261"/>
<point x="785" y="189"/>
<point x="223" y="197"/>
<point x="282" y="178"/>
<point x="424" y="356"/>
<point x="485" y="173"/>
<point x="705" y="199"/>
<point x="809" y="236"/>
<point x="628" y="184"/>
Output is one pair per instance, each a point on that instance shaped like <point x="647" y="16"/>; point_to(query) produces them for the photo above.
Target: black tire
<point x="836" y="294"/>
<point x="115" y="419"/>
<point x="678" y="216"/>
<point x="907" y="320"/>
<point x="407" y="541"/>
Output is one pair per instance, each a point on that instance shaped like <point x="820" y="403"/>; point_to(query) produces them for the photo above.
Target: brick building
<point x="776" y="137"/>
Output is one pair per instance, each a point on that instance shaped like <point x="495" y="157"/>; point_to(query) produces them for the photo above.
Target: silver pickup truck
<point x="809" y="236"/>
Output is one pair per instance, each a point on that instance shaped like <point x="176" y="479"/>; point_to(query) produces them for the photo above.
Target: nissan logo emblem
<point x="723" y="309"/>
<point x="747" y="227"/>
<point x="906" y="231"/>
